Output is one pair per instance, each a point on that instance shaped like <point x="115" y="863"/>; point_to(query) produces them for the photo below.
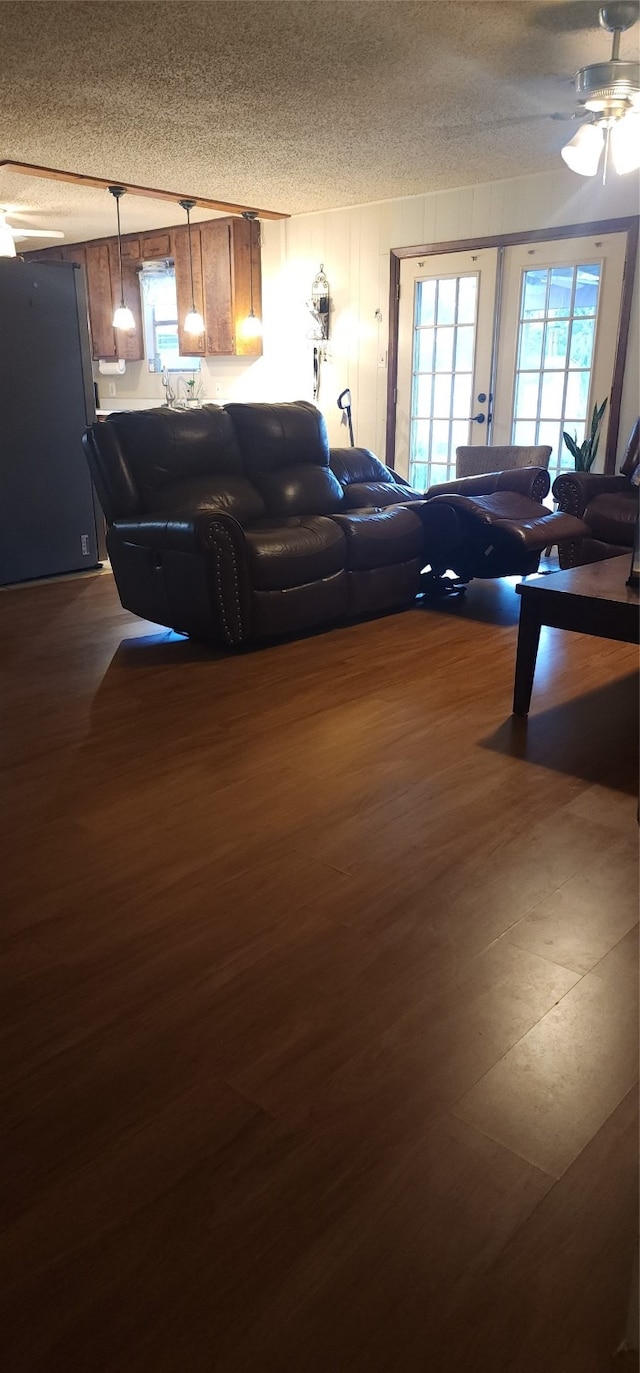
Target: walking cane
<point x="344" y="403"/>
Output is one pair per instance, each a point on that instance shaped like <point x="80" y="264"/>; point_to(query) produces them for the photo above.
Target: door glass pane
<point x="444" y="349"/>
<point x="528" y="386"/>
<point x="577" y="394"/>
<point x="426" y="302"/>
<point x="467" y="299"/>
<point x="552" y="395"/>
<point x="560" y="292"/>
<point x="425" y="339"/>
<point x="443" y="358"/>
<point x="447" y="300"/>
<point x="442" y="395"/>
<point x="556" y="335"/>
<point x="530" y="351"/>
<point x="535" y="294"/>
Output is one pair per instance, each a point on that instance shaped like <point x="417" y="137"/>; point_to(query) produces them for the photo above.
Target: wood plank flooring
<point x="319" y="1048"/>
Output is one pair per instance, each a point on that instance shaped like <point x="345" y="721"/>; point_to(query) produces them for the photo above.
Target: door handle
<point x="478" y="419"/>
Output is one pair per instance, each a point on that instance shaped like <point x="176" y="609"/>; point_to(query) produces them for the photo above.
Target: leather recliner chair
<point x="238" y="523"/>
<point x="493" y="525"/>
<point x="607" y="505"/>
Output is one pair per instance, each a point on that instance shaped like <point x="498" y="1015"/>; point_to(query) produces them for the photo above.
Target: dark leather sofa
<point x="239" y="523"/>
<point x="607" y="505"/>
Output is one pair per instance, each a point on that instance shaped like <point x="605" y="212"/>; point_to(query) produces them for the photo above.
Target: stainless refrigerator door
<point x="47" y="519"/>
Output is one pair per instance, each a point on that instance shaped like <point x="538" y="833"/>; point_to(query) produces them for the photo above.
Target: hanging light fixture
<point x="193" y="321"/>
<point x="122" y="318"/>
<point x="251" y="327"/>
<point x="611" y="91"/>
<point x="7" y="241"/>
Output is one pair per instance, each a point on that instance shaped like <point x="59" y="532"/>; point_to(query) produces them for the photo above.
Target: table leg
<point x="528" y="640"/>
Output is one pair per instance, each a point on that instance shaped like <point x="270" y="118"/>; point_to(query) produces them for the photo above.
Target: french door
<point x="505" y="346"/>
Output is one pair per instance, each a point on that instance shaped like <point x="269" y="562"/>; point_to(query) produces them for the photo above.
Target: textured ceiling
<point x="294" y="105"/>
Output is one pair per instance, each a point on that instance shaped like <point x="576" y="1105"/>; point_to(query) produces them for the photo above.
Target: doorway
<point x="509" y="343"/>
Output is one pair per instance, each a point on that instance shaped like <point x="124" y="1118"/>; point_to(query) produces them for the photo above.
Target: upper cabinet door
<point x="98" y="264"/>
<point x="191" y="345"/>
<point x="215" y="237"/>
<point x="247" y="283"/>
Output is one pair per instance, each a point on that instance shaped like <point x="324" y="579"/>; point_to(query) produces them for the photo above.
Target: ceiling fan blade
<point x="36" y="233"/>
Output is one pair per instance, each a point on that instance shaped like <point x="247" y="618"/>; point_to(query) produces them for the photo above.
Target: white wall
<point x="354" y="245"/>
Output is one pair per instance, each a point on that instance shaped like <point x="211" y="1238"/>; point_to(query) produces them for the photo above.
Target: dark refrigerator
<point x="47" y="515"/>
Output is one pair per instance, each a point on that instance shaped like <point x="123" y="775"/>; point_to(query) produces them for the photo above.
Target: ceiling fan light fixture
<point x="583" y="152"/>
<point x="610" y="91"/>
<point x="7" y="242"/>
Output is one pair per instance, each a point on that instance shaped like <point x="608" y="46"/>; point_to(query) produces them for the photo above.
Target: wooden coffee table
<point x="589" y="600"/>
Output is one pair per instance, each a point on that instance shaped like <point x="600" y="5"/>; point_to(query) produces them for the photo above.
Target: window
<point x="160" y="312"/>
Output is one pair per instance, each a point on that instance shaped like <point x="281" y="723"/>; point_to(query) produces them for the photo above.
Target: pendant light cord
<point x="120" y="251"/>
<point x="193" y="294"/>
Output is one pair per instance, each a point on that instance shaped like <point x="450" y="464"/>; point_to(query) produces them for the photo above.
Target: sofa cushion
<point x="301" y="489"/>
<point x="212" y="495"/>
<point x="165" y="445"/>
<point x="273" y="436"/>
<point x="612" y="516"/>
<point x="293" y="552"/>
<point x="380" y="538"/>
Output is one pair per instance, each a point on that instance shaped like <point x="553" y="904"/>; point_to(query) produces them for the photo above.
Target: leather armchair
<point x="493" y="525"/>
<point x="607" y="505"/>
<point x="238" y="523"/>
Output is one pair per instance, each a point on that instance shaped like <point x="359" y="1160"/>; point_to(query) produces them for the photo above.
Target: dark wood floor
<point x="319" y="1034"/>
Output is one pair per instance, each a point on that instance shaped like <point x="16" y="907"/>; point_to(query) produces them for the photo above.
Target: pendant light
<point x="193" y="321"/>
<point x="251" y="327"/>
<point x="122" y="318"/>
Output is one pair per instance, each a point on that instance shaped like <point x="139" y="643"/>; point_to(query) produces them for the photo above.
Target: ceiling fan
<point x="12" y="233"/>
<point x="610" y="93"/>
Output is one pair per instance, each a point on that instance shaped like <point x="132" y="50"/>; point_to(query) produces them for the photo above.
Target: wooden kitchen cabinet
<point x="225" y="252"/>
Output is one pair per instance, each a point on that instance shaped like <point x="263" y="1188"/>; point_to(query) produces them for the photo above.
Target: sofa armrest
<point x="574" y="490"/>
<point x="526" y="481"/>
<point x="216" y="542"/>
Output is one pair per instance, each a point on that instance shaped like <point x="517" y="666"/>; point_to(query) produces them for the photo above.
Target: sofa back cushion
<point x="163" y="446"/>
<point x="211" y="495"/>
<point x="274" y="436"/>
<point x="358" y="465"/>
<point x="300" y="489"/>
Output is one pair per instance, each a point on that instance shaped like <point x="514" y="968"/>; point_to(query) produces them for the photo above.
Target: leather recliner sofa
<point x="239" y="523"/>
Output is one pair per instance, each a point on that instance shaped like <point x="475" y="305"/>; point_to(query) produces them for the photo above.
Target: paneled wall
<point x="354" y="245"/>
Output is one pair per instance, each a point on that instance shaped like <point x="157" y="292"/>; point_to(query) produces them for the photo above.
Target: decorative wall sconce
<point x="251" y="327"/>
<point x="123" y="317"/>
<point x="193" y="321"/>
<point x="319" y="307"/>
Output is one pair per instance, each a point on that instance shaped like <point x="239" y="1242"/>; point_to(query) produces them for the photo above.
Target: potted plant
<point x="584" y="454"/>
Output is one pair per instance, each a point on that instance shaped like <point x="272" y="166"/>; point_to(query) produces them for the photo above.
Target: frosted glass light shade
<point x="7" y="244"/>
<point x="194" y="323"/>
<point x="251" y="327"/>
<point x="582" y="153"/>
<point x="625" y="143"/>
<point x="123" y="319"/>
